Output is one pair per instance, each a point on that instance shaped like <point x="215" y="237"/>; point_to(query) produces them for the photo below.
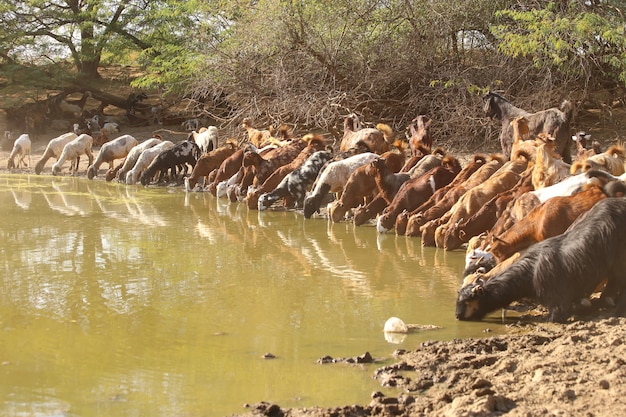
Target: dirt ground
<point x="539" y="368"/>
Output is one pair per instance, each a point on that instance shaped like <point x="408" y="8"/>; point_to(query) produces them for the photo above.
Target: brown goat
<point x="377" y="140"/>
<point x="505" y="178"/>
<point x="416" y="191"/>
<point x="549" y="219"/>
<point x="611" y="161"/>
<point x="440" y="213"/>
<point x="227" y="169"/>
<point x="419" y="135"/>
<point x="209" y="162"/>
<point x="362" y="185"/>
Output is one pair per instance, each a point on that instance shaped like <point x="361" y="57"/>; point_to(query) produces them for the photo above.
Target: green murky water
<point x="127" y="301"/>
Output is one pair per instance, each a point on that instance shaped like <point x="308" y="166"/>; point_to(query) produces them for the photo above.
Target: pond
<point x="127" y="301"/>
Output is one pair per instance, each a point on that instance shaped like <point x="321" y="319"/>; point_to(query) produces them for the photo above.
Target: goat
<point x="332" y="180"/>
<point x="442" y="200"/>
<point x="362" y="184"/>
<point x="21" y="149"/>
<point x="584" y="146"/>
<point x="522" y="142"/>
<point x="227" y="169"/>
<point x="546" y="220"/>
<point x="561" y="270"/>
<point x="416" y="191"/>
<point x="209" y="162"/>
<point x="255" y="136"/>
<point x="377" y="140"/>
<point x="133" y="156"/>
<point x="419" y="135"/>
<point x="548" y="170"/>
<point x="485" y="218"/>
<point x="387" y="180"/>
<point x="554" y="122"/>
<point x="611" y="161"/>
<point x="427" y="163"/>
<point x="524" y="203"/>
<point x="181" y="155"/>
<point x="294" y="185"/>
<point x="314" y="143"/>
<point x="54" y="149"/>
<point x="132" y="100"/>
<point x="72" y="152"/>
<point x="110" y="151"/>
<point x="144" y="160"/>
<point x="110" y="128"/>
<point x="505" y="178"/>
<point x="265" y="165"/>
<point x="441" y="213"/>
<point x="206" y="139"/>
<point x="71" y="109"/>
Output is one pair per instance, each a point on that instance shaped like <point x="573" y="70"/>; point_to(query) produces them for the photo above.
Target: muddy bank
<point x="541" y="368"/>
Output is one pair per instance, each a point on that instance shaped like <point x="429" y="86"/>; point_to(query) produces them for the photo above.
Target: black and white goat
<point x="295" y="185"/>
<point x="181" y="155"/>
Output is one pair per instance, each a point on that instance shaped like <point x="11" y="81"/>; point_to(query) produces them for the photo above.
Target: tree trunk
<point x="89" y="69"/>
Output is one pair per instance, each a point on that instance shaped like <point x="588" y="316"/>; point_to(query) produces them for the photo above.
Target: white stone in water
<point x="395" y="325"/>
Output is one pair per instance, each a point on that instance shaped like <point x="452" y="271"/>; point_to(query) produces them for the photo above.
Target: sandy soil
<point x="539" y="368"/>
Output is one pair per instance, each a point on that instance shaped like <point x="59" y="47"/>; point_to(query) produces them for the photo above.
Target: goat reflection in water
<point x="74" y="198"/>
<point x="364" y="262"/>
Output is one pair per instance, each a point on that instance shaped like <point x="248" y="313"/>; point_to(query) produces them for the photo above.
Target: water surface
<point x="133" y="301"/>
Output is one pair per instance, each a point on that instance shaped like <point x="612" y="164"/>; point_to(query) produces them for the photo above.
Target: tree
<point x="86" y="31"/>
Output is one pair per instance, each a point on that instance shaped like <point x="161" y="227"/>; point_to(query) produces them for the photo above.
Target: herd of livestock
<point x="540" y="220"/>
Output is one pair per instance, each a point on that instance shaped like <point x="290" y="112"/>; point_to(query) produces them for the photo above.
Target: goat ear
<point x="478" y="289"/>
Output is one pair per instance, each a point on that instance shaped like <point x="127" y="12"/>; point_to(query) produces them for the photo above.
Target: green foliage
<point x="575" y="42"/>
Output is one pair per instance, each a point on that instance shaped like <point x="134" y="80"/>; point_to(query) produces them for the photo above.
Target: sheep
<point x="133" y="156"/>
<point x="206" y="139"/>
<point x="110" y="151"/>
<point x="21" y="149"/>
<point x="54" y="149"/>
<point x="145" y="159"/>
<point x="72" y="152"/>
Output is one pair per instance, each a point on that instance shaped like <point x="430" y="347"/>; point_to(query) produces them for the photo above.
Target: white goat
<point x="21" y="149"/>
<point x="333" y="178"/>
<point x="206" y="139"/>
<point x="54" y="149"/>
<point x="72" y="152"/>
<point x="116" y="149"/>
<point x="111" y="128"/>
<point x="133" y="156"/>
<point x="145" y="159"/>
